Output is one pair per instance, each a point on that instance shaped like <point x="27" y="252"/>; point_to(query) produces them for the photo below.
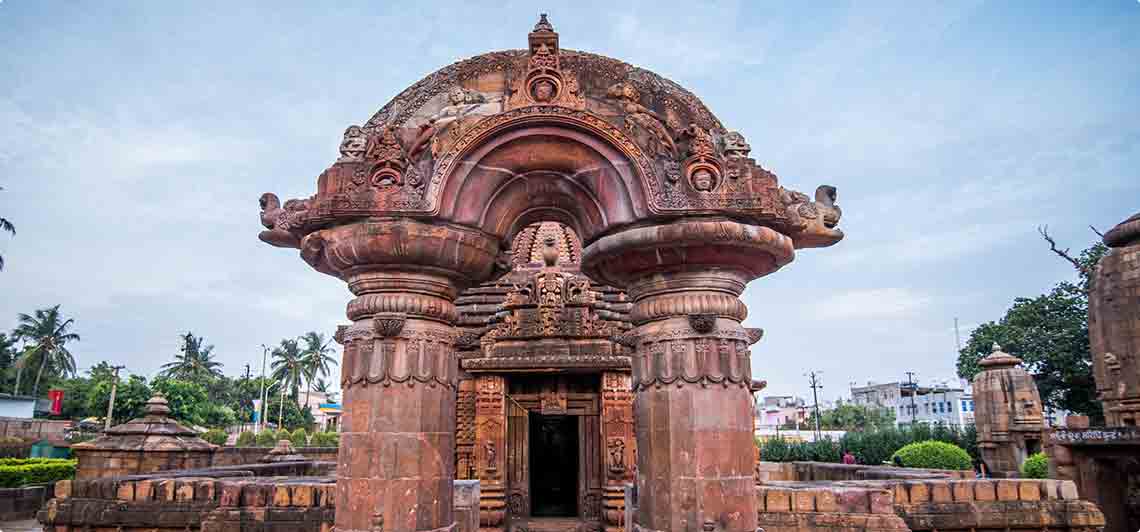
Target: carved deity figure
<point x="617" y="454"/>
<point x="636" y="114"/>
<point x="703" y="180"/>
<point x="489" y="451"/>
<point x="544" y="90"/>
<point x="353" y="146"/>
<point x="461" y="102"/>
<point x="700" y="142"/>
<point x="735" y="145"/>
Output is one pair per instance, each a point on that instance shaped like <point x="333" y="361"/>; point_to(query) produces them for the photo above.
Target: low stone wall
<point x="232" y="456"/>
<point x="209" y="504"/>
<point x="936" y="505"/>
<point x="802" y="508"/>
<point x="22" y="503"/>
<point x="826" y="471"/>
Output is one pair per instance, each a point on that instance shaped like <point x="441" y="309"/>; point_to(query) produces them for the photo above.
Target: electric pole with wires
<point x="813" y="378"/>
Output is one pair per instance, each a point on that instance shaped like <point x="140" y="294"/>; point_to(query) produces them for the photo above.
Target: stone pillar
<point x="1114" y="324"/>
<point x="691" y="369"/>
<point x="399" y="374"/>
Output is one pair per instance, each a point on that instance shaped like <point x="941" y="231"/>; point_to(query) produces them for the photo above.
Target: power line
<point x="913" y="387"/>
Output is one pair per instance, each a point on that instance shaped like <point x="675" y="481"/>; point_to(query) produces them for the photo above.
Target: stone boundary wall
<point x="936" y="505"/>
<point x="22" y="503"/>
<point x="827" y="471"/>
<point x="35" y="429"/>
<point x="232" y="456"/>
<point x="195" y="503"/>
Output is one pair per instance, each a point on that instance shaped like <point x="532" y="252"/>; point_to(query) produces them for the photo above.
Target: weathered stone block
<point x="825" y="501"/>
<point x="281" y="496"/>
<point x="1007" y="490"/>
<point x="144" y="490"/>
<point x="1029" y="490"/>
<point x="302" y="496"/>
<point x="803" y="501"/>
<point x="778" y="500"/>
<point x="940" y="492"/>
<point x="918" y="492"/>
<point x="962" y="490"/>
<point x="985" y="490"/>
<point x="882" y="502"/>
<point x="126" y="491"/>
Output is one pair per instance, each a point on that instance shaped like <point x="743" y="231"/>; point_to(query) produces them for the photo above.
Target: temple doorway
<point x="554" y="460"/>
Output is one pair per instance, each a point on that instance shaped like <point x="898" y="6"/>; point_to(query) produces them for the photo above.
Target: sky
<point x="136" y="138"/>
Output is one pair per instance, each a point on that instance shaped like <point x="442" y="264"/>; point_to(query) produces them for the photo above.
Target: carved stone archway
<point x="424" y="201"/>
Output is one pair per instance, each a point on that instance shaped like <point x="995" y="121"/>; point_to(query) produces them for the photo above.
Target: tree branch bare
<point x="1063" y="253"/>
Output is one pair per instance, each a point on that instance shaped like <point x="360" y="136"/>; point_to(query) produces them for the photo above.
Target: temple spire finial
<point x="543" y="24"/>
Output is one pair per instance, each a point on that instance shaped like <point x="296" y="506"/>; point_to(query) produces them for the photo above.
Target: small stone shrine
<point x="147" y="444"/>
<point x="1009" y="415"/>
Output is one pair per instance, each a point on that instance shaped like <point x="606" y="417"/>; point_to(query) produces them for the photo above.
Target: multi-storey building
<point x="915" y="403"/>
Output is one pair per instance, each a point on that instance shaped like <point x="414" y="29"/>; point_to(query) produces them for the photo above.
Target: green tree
<point x="194" y="362"/>
<point x="847" y="416"/>
<point x="188" y="400"/>
<point x="131" y="396"/>
<point x="288" y="370"/>
<point x="317" y="359"/>
<point x="5" y="226"/>
<point x="1050" y="333"/>
<point x="45" y="336"/>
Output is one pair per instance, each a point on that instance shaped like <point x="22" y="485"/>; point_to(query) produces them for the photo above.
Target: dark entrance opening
<point x="553" y="465"/>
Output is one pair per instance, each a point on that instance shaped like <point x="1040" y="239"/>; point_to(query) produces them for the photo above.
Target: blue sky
<point x="136" y="138"/>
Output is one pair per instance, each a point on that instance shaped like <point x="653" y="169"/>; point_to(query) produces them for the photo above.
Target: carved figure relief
<point x="639" y="116"/>
<point x="616" y="448"/>
<point x="354" y="145"/>
<point x="490" y="455"/>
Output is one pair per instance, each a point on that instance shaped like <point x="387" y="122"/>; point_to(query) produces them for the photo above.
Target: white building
<point x="914" y="403"/>
<point x="326" y="412"/>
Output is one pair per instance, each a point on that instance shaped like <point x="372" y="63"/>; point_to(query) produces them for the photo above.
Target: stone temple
<point x="619" y="349"/>
<point x="546" y="250"/>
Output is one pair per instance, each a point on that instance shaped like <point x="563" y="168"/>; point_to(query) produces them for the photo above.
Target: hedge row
<point x="29" y="461"/>
<point x="43" y="472"/>
<point x="869" y="447"/>
<point x="299" y="438"/>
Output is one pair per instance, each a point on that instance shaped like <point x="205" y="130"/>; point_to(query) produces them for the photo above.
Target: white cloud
<point x="869" y="303"/>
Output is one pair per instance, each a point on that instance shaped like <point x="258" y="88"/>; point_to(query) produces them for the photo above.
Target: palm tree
<point x="195" y="363"/>
<point x="5" y="226"/>
<point x="288" y="369"/>
<point x="316" y="359"/>
<point x="46" y="335"/>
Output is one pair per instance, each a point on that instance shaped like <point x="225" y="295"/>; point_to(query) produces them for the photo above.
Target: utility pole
<point x="111" y="403"/>
<point x="247" y="372"/>
<point x="910" y="384"/>
<point x="261" y="408"/>
<point x="815" y="386"/>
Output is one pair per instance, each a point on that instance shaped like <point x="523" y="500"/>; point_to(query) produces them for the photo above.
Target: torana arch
<point x="425" y="201"/>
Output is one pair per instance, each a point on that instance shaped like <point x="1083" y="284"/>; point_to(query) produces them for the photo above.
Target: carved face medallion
<point x="543" y="91"/>
<point x="703" y="180"/>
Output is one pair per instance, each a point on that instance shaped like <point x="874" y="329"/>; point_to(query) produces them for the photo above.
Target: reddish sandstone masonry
<point x="921" y="505"/>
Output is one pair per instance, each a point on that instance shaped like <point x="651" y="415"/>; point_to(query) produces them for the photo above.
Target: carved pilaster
<point x="490" y="448"/>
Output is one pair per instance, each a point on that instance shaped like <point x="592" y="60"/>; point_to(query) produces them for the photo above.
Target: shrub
<point x="1036" y="466"/>
<point x="780" y="450"/>
<point x="36" y="471"/>
<point x="299" y="438"/>
<point x="216" y="436"/>
<point x="878" y="446"/>
<point x="326" y="439"/>
<point x="246" y="439"/>
<point x="266" y="438"/>
<point x="933" y="454"/>
<point x="282" y="434"/>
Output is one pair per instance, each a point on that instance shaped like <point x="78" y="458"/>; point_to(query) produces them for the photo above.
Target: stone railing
<point x="827" y="471"/>
<point x="231" y="456"/>
<point x="925" y="505"/>
<point x="228" y="504"/>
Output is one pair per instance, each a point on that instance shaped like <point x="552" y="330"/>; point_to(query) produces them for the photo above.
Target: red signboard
<point x="56" y="397"/>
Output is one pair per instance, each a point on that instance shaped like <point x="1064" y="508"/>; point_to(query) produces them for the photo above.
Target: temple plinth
<point x="559" y="240"/>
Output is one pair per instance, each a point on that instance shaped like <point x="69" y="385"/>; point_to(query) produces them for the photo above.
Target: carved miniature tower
<point x="1114" y="325"/>
<point x="1008" y="415"/>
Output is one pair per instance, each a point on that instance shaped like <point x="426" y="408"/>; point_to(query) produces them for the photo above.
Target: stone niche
<point x="147" y="444"/>
<point x="1008" y="415"/>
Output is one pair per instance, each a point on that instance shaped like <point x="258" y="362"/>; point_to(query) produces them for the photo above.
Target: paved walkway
<point x="26" y="525"/>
